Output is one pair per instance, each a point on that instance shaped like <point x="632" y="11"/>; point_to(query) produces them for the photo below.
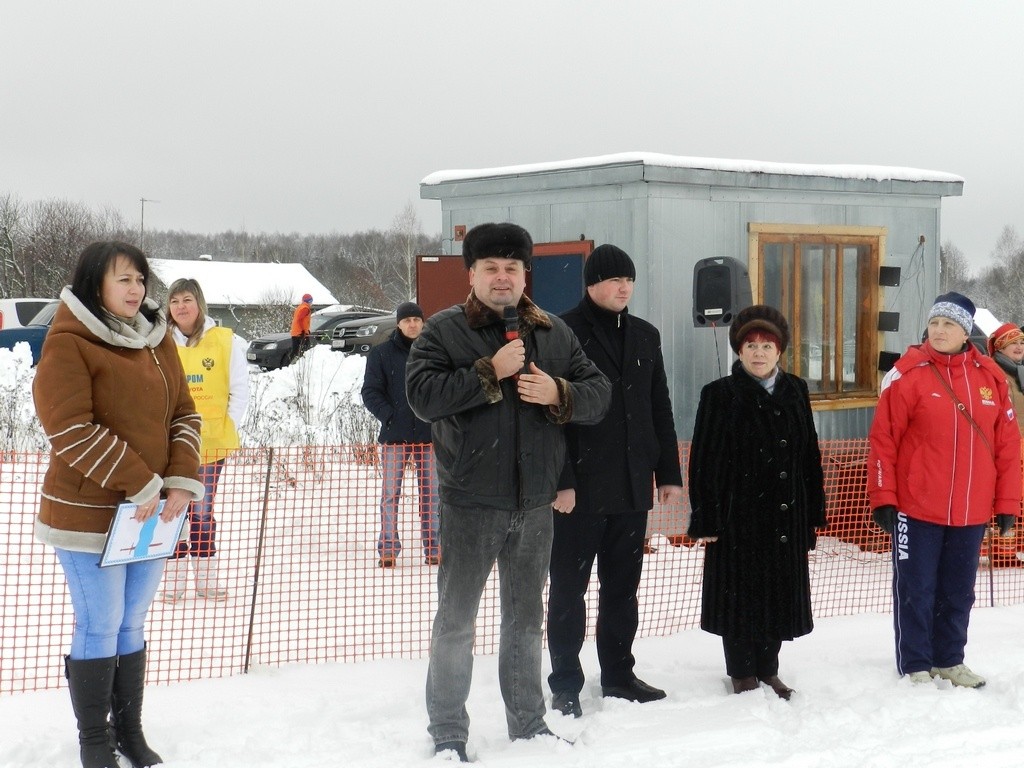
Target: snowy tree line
<point x="999" y="287"/>
<point x="40" y="242"/>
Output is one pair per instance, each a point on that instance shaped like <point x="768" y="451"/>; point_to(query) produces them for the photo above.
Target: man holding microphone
<point x="499" y="445"/>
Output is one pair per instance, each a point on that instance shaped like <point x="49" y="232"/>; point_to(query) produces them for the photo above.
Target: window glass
<point x="824" y="285"/>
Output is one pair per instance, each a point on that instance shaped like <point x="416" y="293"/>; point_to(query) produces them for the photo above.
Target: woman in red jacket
<point x="944" y="457"/>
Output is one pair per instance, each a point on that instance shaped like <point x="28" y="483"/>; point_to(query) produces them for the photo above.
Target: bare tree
<point x="39" y="243"/>
<point x="1000" y="286"/>
<point x="276" y="312"/>
<point x="12" y="273"/>
<point x="374" y="252"/>
<point x="954" y="273"/>
<point x="406" y="233"/>
<point x="1008" y="246"/>
<point x="58" y="230"/>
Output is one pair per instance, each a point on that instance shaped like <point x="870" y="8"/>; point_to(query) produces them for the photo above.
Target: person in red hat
<point x="1006" y="347"/>
<point x="300" y="326"/>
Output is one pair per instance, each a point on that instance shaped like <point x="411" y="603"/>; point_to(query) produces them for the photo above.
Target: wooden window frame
<point x="868" y="338"/>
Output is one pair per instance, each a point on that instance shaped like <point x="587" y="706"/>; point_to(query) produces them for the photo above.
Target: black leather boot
<point x="126" y="710"/>
<point x="91" y="682"/>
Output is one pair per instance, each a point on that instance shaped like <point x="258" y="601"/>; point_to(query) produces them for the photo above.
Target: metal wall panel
<point x="667" y="226"/>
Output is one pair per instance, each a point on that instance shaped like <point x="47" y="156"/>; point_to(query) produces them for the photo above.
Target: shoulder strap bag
<point x="963" y="409"/>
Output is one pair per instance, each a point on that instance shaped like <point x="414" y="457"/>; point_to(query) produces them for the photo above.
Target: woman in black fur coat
<point x="756" y="493"/>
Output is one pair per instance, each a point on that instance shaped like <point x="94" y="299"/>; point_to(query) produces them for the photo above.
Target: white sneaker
<point x="208" y="585"/>
<point x="175" y="581"/>
<point x="960" y="675"/>
<point x="919" y="677"/>
<point x="212" y="594"/>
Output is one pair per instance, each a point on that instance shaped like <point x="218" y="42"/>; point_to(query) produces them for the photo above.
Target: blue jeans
<point x="110" y="603"/>
<point x="202" y="528"/>
<point x="472" y="540"/>
<point x="393" y="459"/>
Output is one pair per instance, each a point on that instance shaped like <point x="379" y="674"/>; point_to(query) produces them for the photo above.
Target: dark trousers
<point x="751" y="658"/>
<point x="202" y="526"/>
<point x="933" y="572"/>
<point x="299" y="345"/>
<point x="617" y="542"/>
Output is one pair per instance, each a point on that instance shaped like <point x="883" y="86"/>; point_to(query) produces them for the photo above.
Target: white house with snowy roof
<point x="239" y="293"/>
<point x="849" y="253"/>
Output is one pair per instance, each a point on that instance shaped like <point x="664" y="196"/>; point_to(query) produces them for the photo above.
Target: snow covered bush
<point x="20" y="430"/>
<point x="313" y="402"/>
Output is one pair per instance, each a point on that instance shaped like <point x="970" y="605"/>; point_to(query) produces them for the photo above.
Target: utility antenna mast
<point x="142" y="221"/>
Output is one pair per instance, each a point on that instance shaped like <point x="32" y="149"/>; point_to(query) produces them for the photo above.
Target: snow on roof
<point x="864" y="172"/>
<point x="986" y="321"/>
<point x="241" y="283"/>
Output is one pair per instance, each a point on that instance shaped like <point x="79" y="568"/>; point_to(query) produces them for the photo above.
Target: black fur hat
<point x="759" y="317"/>
<point x="505" y="240"/>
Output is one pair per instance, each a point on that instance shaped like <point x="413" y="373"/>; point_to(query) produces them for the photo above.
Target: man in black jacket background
<point x="499" y="440"/>
<point x="606" y="488"/>
<point x="403" y="439"/>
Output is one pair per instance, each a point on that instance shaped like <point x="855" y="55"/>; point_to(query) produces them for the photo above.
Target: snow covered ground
<point x="850" y="710"/>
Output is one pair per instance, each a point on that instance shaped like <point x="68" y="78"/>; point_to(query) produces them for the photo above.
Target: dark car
<point x="360" y="336"/>
<point x="34" y="333"/>
<point x="274" y="350"/>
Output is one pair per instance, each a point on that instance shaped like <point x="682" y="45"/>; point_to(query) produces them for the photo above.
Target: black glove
<point x="885" y="517"/>
<point x="1005" y="523"/>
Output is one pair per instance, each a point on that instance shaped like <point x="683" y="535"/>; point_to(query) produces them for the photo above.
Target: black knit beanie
<point x="606" y="262"/>
<point x="408" y="309"/>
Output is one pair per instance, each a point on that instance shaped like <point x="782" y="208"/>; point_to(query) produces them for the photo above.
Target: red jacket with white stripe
<point x="925" y="457"/>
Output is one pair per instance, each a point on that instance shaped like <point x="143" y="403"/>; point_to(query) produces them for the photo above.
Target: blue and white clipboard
<point x="129" y="541"/>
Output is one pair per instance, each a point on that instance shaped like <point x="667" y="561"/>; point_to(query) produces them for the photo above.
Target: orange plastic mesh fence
<point x="297" y="551"/>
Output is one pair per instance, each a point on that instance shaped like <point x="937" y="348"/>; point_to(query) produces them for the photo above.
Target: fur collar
<point x="138" y="336"/>
<point x="479" y="315"/>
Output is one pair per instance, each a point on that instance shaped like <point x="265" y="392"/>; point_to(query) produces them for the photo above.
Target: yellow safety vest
<point x="208" y="373"/>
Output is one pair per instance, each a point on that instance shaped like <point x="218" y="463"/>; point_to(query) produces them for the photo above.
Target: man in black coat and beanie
<point x="606" y="488"/>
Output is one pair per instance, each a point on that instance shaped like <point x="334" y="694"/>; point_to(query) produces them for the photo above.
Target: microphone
<point x="511" y="317"/>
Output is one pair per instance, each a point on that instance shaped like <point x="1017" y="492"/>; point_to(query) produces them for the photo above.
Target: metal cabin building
<point x="849" y="254"/>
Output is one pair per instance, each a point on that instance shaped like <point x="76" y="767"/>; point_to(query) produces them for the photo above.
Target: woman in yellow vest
<point x="218" y="379"/>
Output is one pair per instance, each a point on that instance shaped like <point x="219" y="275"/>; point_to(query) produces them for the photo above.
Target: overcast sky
<point x="324" y="116"/>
